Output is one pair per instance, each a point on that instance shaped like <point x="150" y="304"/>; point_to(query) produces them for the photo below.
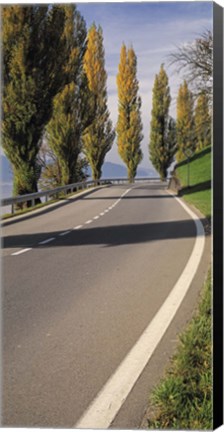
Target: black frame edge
<point x="218" y="216"/>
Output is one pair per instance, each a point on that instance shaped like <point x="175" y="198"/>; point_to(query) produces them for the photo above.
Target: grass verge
<point x="183" y="399"/>
<point x="199" y="191"/>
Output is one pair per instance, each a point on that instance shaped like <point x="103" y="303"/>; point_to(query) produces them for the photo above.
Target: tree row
<point x="190" y="132"/>
<point x="55" y="113"/>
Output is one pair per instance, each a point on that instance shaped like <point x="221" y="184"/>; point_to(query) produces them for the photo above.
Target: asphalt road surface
<point x="80" y="283"/>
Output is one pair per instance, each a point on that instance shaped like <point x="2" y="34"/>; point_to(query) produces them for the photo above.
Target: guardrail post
<point x="13" y="209"/>
<point x="32" y="202"/>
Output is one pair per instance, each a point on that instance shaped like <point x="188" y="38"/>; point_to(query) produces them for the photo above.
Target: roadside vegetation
<point x="182" y="400"/>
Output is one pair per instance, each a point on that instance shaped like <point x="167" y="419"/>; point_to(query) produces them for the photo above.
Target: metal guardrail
<point x="74" y="187"/>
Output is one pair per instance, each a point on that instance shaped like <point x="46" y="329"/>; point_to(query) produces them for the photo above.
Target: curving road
<point x="81" y="282"/>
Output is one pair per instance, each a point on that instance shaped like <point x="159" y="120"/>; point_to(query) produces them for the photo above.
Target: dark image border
<point x="218" y="217"/>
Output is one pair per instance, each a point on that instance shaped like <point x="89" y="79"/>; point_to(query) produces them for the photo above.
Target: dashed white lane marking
<point x="78" y="227"/>
<point x="21" y="251"/>
<point x="47" y="241"/>
<point x="65" y="233"/>
<point x="75" y="228"/>
<point x="109" y="400"/>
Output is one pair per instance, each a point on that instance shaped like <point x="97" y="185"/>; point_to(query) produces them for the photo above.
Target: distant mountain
<point x="6" y="170"/>
<point x="109" y="170"/>
<point x="113" y="170"/>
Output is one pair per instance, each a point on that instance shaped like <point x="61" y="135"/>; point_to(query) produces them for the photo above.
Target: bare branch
<point x="196" y="62"/>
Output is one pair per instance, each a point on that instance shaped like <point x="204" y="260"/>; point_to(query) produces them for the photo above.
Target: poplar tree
<point x="162" y="145"/>
<point x="129" y="125"/>
<point x="33" y="56"/>
<point x="70" y="111"/>
<point x="202" y="122"/>
<point x="98" y="136"/>
<point x="185" y="121"/>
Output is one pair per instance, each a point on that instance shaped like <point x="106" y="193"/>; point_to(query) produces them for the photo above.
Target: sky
<point x="154" y="29"/>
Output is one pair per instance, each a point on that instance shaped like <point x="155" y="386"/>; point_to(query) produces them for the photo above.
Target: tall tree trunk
<point x="96" y="174"/>
<point x="25" y="182"/>
<point x="163" y="174"/>
<point x="131" y="174"/>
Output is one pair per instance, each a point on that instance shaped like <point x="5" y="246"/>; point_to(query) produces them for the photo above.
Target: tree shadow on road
<point x="107" y="236"/>
<point x="126" y="197"/>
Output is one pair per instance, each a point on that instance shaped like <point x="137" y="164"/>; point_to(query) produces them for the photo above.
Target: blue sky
<point x="154" y="29"/>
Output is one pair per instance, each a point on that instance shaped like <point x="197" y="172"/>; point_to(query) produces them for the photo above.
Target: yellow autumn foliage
<point x="129" y="125"/>
<point x="202" y="122"/>
<point x="99" y="135"/>
<point x="185" y="121"/>
<point x="94" y="61"/>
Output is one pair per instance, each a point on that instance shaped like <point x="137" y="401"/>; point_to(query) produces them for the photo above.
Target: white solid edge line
<point x="111" y="397"/>
<point x="47" y="241"/>
<point x="21" y="251"/>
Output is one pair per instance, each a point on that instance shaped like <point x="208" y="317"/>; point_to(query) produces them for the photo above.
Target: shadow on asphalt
<point x="126" y="197"/>
<point x="108" y="236"/>
<point x="195" y="157"/>
<point x="197" y="188"/>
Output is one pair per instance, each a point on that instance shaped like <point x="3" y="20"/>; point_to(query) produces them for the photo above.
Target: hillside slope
<point x="199" y="192"/>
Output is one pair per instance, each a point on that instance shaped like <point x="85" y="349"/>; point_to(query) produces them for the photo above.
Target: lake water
<point x="5" y="192"/>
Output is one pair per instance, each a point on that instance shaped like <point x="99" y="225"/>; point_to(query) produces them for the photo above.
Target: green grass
<point x="199" y="192"/>
<point x="183" y="399"/>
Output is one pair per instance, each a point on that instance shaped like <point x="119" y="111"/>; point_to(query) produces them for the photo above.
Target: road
<point x="81" y="282"/>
